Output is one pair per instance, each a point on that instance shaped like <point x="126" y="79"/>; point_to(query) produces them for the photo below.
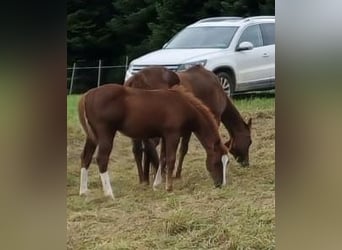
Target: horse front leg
<point x="171" y="143"/>
<point x="138" y="153"/>
<point x="86" y="157"/>
<point x="182" y="152"/>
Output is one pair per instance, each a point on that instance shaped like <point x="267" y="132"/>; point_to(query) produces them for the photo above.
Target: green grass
<point x="72" y="116"/>
<point x="194" y="215"/>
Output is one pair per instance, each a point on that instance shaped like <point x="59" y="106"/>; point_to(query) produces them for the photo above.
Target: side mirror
<point x="245" y="46"/>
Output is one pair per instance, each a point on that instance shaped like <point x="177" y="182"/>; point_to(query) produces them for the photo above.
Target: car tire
<point x="226" y="82"/>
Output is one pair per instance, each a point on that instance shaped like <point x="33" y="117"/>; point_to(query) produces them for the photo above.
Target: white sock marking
<point x="84" y="181"/>
<point x="107" y="188"/>
<point x="158" y="179"/>
<point x="225" y="161"/>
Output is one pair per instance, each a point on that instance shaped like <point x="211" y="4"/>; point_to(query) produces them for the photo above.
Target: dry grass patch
<point x="195" y="215"/>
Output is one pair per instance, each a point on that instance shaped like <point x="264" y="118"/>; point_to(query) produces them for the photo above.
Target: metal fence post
<point x="99" y="74"/>
<point x="72" y="78"/>
<point x="126" y="64"/>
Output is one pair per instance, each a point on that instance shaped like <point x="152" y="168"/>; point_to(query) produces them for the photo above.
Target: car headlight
<point x="186" y="66"/>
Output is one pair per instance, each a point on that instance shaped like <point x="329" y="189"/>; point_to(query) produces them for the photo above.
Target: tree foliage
<point x="112" y="29"/>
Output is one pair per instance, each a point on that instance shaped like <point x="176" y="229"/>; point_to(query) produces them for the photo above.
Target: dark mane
<point x="138" y="81"/>
<point x="197" y="103"/>
<point x="153" y="78"/>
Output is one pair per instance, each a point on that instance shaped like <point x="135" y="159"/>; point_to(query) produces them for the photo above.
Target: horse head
<point x="239" y="145"/>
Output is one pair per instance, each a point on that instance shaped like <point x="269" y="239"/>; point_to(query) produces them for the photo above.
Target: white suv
<point x="240" y="51"/>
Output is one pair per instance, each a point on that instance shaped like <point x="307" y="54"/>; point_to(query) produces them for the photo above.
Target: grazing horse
<point x="142" y="114"/>
<point x="204" y="85"/>
<point x="141" y="81"/>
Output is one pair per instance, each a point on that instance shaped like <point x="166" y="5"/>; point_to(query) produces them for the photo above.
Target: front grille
<point x="137" y="68"/>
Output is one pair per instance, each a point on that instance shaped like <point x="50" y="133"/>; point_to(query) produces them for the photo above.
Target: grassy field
<point x="195" y="215"/>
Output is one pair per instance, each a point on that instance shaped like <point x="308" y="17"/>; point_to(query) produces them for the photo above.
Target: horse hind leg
<point x="171" y="144"/>
<point x="154" y="154"/>
<point x="105" y="148"/>
<point x="151" y="156"/>
<point x="138" y="153"/>
<point x="146" y="172"/>
<point x="162" y="163"/>
<point x="86" y="157"/>
<point x="182" y="152"/>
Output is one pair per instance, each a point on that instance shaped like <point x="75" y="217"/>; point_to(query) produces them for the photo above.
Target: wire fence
<point x="82" y="78"/>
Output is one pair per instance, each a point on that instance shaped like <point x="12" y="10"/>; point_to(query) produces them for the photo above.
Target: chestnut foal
<point x="144" y="114"/>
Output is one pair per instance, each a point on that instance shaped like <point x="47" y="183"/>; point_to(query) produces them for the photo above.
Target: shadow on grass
<point x="255" y="94"/>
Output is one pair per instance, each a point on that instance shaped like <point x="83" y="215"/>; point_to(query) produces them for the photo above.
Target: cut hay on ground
<point x="195" y="215"/>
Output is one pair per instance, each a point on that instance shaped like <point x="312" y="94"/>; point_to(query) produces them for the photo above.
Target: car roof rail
<point x="258" y="17"/>
<point x="219" y="19"/>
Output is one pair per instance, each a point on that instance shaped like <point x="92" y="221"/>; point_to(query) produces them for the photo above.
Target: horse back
<point x="105" y="105"/>
<point x="153" y="78"/>
<point x="157" y="110"/>
<point x="205" y="85"/>
<point x="138" y="113"/>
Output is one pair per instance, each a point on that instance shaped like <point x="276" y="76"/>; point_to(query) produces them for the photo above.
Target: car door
<point x="268" y="37"/>
<point x="252" y="67"/>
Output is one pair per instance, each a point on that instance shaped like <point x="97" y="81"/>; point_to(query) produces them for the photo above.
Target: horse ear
<point x="171" y="78"/>
<point x="249" y="123"/>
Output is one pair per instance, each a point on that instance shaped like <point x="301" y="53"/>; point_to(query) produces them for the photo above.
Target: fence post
<point x="72" y="78"/>
<point x="99" y="74"/>
<point x="126" y="64"/>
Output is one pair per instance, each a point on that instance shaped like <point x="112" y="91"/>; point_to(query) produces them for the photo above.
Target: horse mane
<point x="197" y="103"/>
<point x="153" y="78"/>
<point x="138" y="81"/>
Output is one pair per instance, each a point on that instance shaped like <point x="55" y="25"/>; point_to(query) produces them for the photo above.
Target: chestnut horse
<point x="204" y="85"/>
<point x="143" y="114"/>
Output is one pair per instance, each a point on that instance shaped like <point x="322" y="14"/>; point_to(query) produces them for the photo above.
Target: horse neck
<point x="204" y="124"/>
<point x="206" y="133"/>
<point x="232" y="120"/>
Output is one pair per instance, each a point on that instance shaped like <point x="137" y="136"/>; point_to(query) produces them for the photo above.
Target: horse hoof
<point x="109" y="195"/>
<point x="84" y="193"/>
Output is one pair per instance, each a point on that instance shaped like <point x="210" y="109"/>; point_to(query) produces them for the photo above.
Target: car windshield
<point x="202" y="37"/>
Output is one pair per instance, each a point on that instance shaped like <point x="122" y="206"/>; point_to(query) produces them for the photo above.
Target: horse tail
<point x="82" y="114"/>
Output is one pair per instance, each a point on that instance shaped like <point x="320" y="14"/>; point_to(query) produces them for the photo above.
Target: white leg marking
<point x="158" y="179"/>
<point x="84" y="181"/>
<point x="175" y="168"/>
<point x="225" y="161"/>
<point x="107" y="188"/>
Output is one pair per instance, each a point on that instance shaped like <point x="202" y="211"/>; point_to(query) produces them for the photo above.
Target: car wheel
<point x="226" y="82"/>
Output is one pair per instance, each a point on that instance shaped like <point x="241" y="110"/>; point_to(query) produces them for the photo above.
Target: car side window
<point x="252" y="34"/>
<point x="268" y="33"/>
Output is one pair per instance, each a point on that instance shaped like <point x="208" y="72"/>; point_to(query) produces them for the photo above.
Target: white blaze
<point x="225" y="161"/>
<point x="107" y="188"/>
<point x="84" y="181"/>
